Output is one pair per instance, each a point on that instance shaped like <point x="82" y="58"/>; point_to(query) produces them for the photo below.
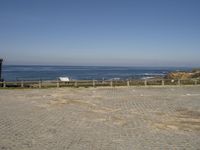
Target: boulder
<point x="183" y="75"/>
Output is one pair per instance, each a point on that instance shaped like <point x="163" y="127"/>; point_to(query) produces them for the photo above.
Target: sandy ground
<point x="100" y="118"/>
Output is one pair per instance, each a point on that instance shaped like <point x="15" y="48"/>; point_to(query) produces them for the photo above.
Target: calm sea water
<point x="13" y="73"/>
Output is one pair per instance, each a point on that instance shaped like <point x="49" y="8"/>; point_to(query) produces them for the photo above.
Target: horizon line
<point x="137" y="66"/>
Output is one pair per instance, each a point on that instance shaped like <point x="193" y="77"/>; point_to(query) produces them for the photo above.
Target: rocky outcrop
<point x="184" y="75"/>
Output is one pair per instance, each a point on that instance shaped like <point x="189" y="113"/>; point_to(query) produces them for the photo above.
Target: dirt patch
<point x="119" y="121"/>
<point x="112" y="120"/>
<point x="104" y="110"/>
<point x="81" y="103"/>
<point x="183" y="119"/>
<point x="185" y="113"/>
<point x="94" y="112"/>
<point x="60" y="102"/>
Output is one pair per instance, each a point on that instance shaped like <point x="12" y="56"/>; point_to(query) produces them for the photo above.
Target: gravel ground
<point x="100" y="118"/>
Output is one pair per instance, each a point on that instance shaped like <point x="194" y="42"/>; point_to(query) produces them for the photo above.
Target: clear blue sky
<point x="100" y="32"/>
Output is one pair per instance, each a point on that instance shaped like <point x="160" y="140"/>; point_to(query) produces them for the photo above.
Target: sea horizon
<point x="53" y="72"/>
<point x="146" y="66"/>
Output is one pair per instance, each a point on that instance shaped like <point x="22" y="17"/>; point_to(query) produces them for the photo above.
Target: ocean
<point x="15" y="73"/>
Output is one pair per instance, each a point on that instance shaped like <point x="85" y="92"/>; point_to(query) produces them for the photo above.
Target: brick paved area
<point x="100" y="118"/>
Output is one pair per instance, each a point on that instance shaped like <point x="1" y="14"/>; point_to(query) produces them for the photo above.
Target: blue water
<point x="13" y="73"/>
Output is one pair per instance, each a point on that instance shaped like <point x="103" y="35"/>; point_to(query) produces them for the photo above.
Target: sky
<point x="100" y="32"/>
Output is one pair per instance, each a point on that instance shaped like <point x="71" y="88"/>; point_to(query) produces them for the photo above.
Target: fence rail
<point x="97" y="83"/>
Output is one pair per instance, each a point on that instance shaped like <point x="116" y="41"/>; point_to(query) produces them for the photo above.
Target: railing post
<point x="75" y="83"/>
<point x="22" y="84"/>
<point x="40" y="84"/>
<point x="128" y="83"/>
<point x="4" y="84"/>
<point x="58" y="84"/>
<point x="111" y="83"/>
<point x="93" y="83"/>
<point x="1" y="60"/>
<point x="145" y="82"/>
<point x="163" y="82"/>
<point x="179" y="82"/>
<point x="195" y="82"/>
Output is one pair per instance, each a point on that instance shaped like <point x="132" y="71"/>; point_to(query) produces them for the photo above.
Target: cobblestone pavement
<point x="100" y="118"/>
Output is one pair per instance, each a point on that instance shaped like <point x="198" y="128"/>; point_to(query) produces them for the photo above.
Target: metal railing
<point x="97" y="83"/>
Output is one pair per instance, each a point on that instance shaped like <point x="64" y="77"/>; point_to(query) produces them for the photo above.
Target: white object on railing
<point x="64" y="79"/>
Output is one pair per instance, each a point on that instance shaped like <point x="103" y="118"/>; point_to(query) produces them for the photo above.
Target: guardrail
<point x="96" y="83"/>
